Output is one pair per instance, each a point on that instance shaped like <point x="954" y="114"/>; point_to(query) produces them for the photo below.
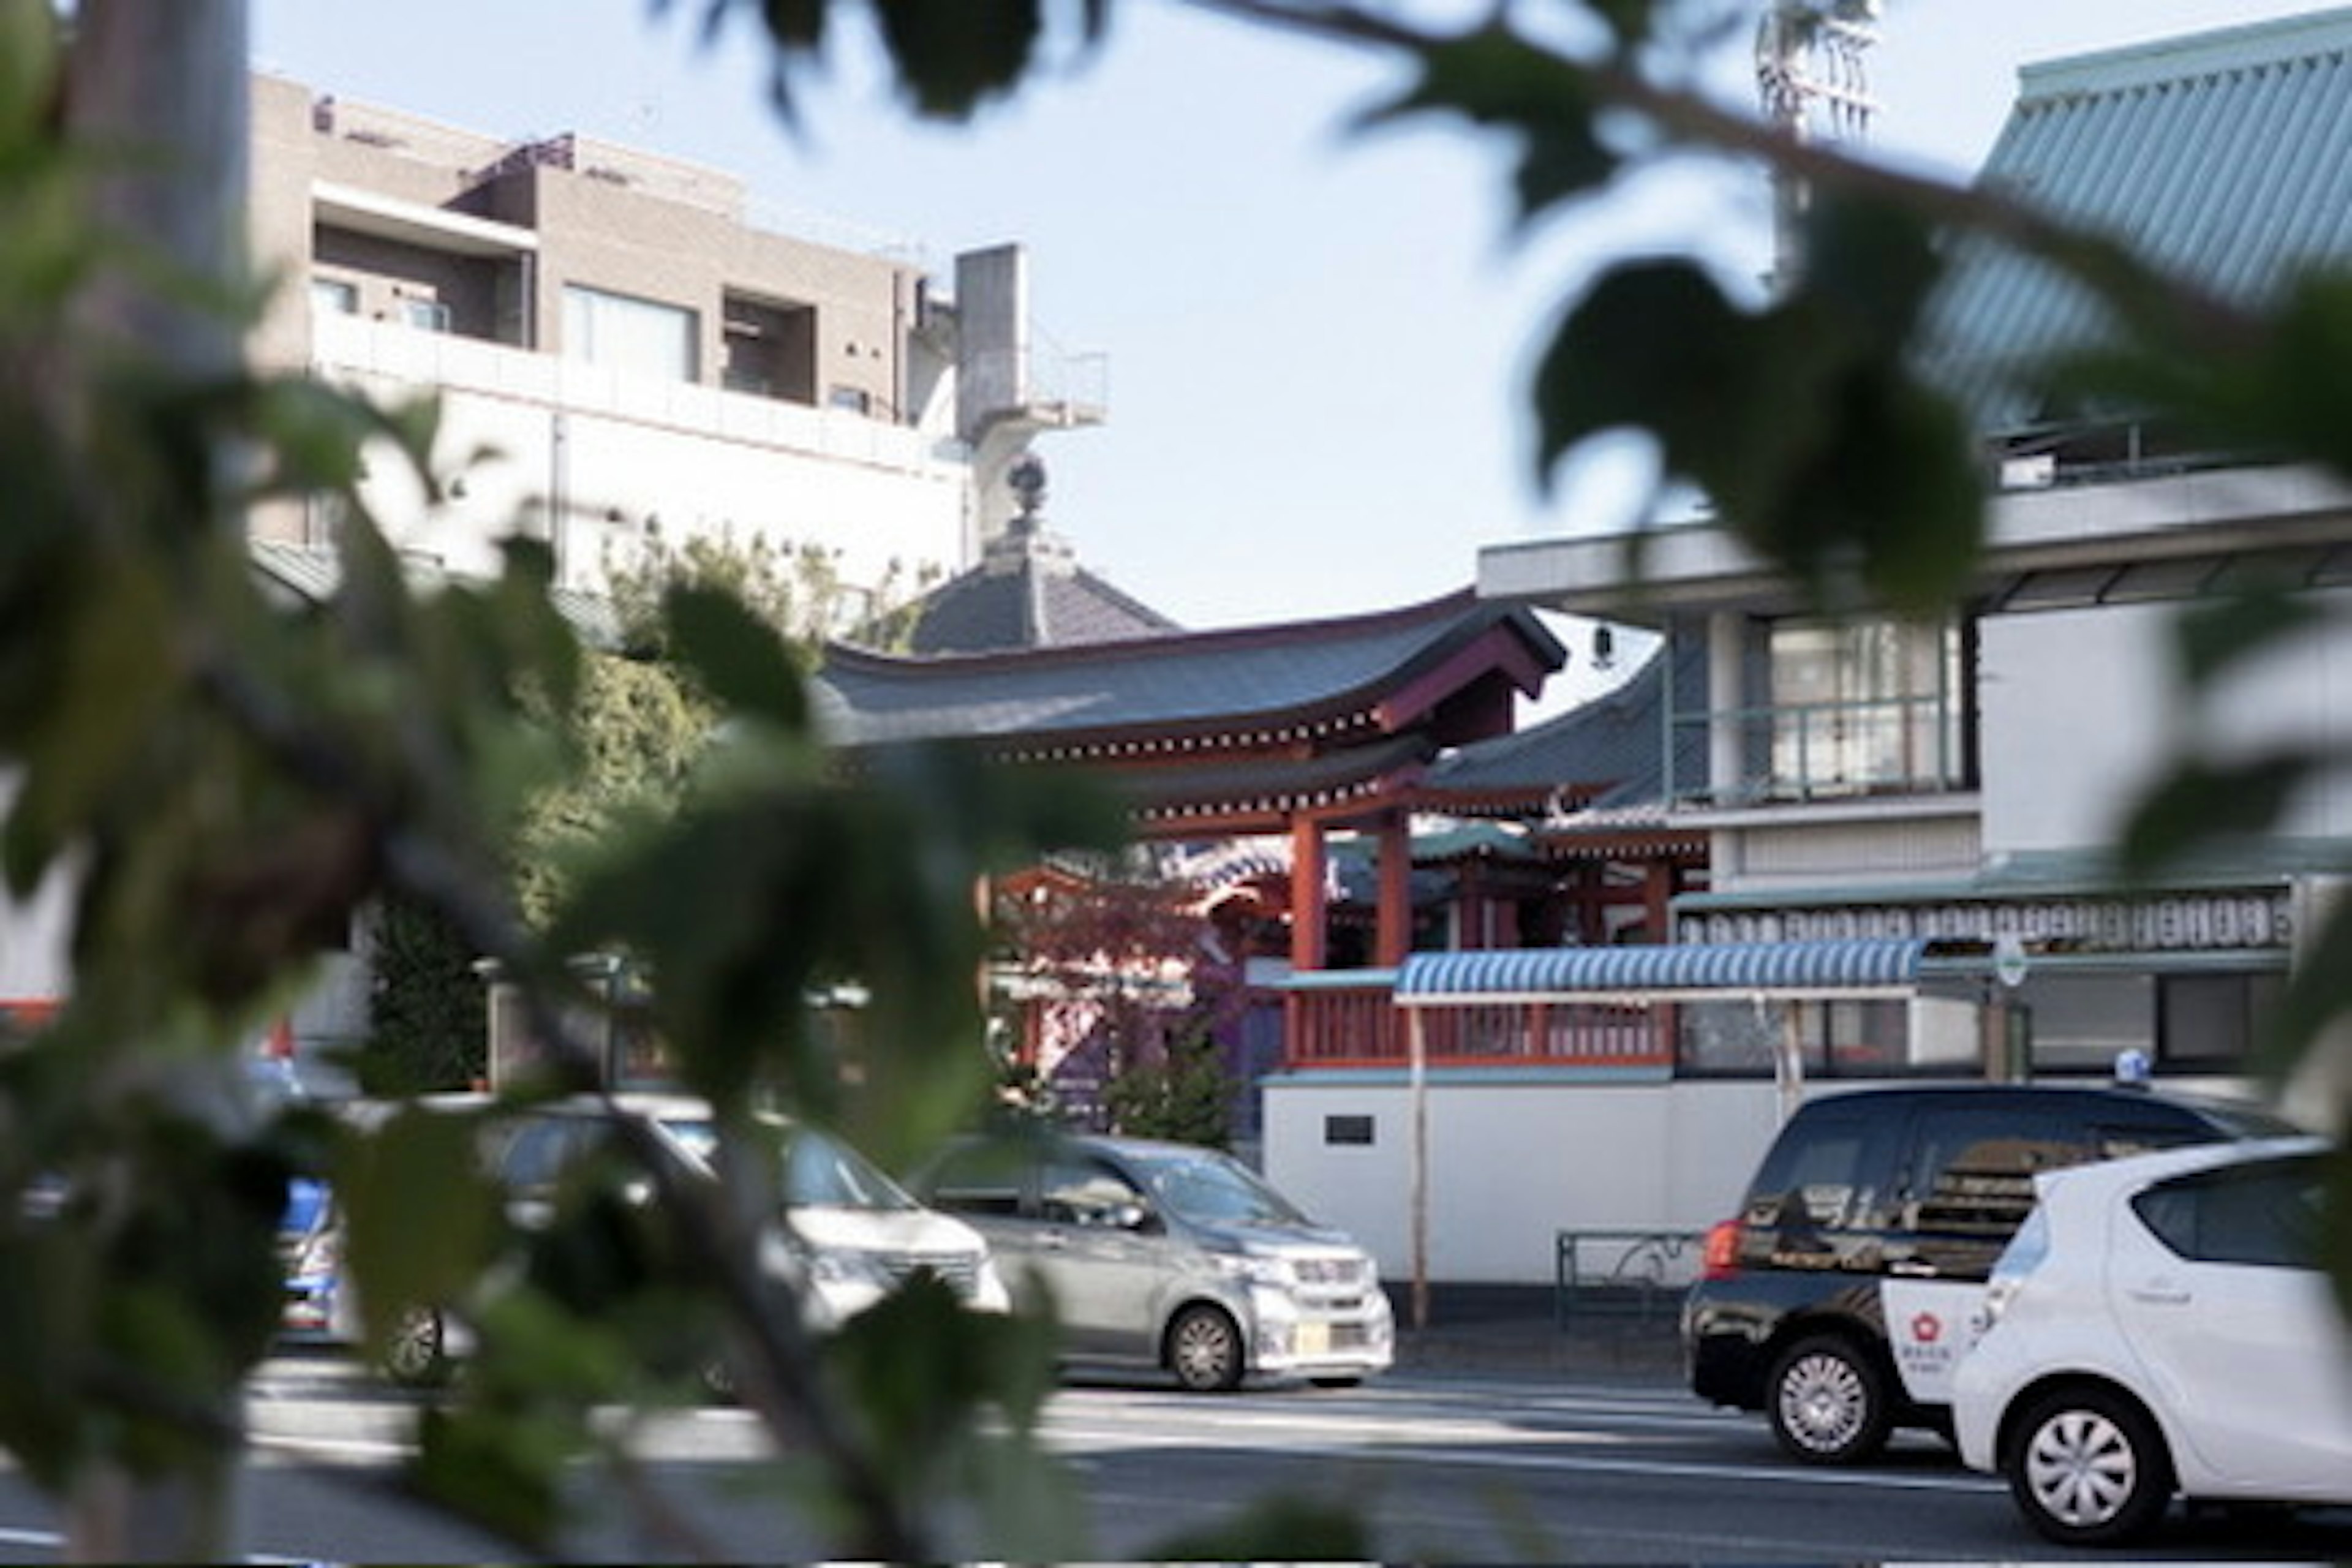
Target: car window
<point x="2129" y="1136"/>
<point x="1822" y="1173"/>
<point x="1079" y="1189"/>
<point x="1972" y="1167"/>
<point x="822" y="1172"/>
<point x="1212" y="1189"/>
<point x="2265" y="1215"/>
<point x="982" y="1179"/>
<point x="538" y="1151"/>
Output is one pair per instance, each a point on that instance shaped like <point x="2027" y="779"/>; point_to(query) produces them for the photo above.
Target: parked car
<point x="2161" y="1327"/>
<point x="848" y="1234"/>
<point x="1163" y="1254"/>
<point x="1840" y="1298"/>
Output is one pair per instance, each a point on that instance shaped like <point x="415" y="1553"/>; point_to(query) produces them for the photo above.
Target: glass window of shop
<point x="1738" y="1036"/>
<point x="2193" y="1022"/>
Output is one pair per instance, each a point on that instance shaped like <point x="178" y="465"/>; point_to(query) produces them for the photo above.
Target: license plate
<point x="1312" y="1339"/>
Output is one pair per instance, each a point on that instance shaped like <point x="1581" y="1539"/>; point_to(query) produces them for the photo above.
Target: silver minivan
<point x="1164" y="1254"/>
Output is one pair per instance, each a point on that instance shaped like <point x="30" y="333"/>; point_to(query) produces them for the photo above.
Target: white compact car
<point x="2160" y="1327"/>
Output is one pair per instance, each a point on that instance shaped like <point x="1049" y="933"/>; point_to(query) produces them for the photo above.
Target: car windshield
<point x="1216" y="1189"/>
<point x="819" y="1171"/>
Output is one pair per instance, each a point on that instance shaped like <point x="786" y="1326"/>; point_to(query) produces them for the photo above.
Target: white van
<point x="847" y="1235"/>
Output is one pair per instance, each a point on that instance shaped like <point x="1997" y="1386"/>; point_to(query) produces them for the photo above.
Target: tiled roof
<point x="2225" y="157"/>
<point x="984" y="612"/>
<point x="1270" y="787"/>
<point x="1606" y="753"/>
<point x="312" y="575"/>
<point x="1317" y="677"/>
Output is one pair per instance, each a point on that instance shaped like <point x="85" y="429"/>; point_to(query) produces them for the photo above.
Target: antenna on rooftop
<point x="1809" y="73"/>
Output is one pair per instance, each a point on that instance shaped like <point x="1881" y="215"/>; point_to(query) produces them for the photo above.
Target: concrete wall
<point x="624" y="458"/>
<point x="1510" y="1164"/>
<point x="2080" y="707"/>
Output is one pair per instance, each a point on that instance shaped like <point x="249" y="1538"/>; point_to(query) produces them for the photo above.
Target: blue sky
<point x="1316" y="337"/>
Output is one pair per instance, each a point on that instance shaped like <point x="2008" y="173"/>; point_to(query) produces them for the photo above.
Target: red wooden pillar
<point x="1474" y="916"/>
<point x="1395" y="933"/>
<point x="1657" y="895"/>
<point x="1309" y="915"/>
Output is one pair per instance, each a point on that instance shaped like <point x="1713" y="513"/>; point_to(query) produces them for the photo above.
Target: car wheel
<point x="2089" y="1468"/>
<point x="418" y="1354"/>
<point x="1205" y="1350"/>
<point x="1828" y="1402"/>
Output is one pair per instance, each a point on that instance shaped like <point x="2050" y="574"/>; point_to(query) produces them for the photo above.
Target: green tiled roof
<point x="2225" y="156"/>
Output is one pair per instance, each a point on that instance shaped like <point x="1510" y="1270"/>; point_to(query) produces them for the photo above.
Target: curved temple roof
<point x="1243" y="689"/>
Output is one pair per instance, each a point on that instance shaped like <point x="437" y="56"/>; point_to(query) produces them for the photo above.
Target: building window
<point x="2211" y="1020"/>
<point x="2197" y="1023"/>
<point x="1861" y="706"/>
<point x="334" y="297"/>
<point x="424" y="315"/>
<point x="767" y="348"/>
<point x="640" y="337"/>
<point x="1868" y="1038"/>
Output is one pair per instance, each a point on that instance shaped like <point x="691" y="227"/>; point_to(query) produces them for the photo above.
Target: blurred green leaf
<point x="954" y="54"/>
<point x="2216" y="634"/>
<point x="1499" y="81"/>
<point x="1803" y="422"/>
<point x="2200" y="801"/>
<point x="735" y="655"/>
<point x="419" y="1163"/>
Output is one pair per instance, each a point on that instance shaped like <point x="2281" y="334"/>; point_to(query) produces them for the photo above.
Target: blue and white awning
<point x="1887" y="966"/>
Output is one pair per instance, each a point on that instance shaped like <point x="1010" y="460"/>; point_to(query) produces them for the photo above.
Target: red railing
<point x="1343" y="1024"/>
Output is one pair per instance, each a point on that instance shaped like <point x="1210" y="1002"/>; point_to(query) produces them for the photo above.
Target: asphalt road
<point x="1497" y="1464"/>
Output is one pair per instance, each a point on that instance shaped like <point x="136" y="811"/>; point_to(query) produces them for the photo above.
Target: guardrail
<point x="1622" y="1272"/>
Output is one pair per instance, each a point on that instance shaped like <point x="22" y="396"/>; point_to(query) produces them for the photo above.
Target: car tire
<point x="1205" y="1350"/>
<point x="1828" y="1402"/>
<point x="416" y="1356"/>
<point x="2087" y="1467"/>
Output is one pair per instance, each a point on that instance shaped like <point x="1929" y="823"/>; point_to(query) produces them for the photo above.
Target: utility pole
<point x="162" y="84"/>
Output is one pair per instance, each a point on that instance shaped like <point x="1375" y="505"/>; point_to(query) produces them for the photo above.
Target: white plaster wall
<point x="1512" y="1165"/>
<point x="624" y="452"/>
<point x="2081" y="708"/>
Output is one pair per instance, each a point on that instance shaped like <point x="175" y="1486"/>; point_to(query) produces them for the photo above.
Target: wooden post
<point x="1395" y="933"/>
<point x="1417" y="1198"/>
<point x="1308" y="916"/>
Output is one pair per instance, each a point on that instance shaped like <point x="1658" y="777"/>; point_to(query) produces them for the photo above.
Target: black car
<point x="1841" y="1296"/>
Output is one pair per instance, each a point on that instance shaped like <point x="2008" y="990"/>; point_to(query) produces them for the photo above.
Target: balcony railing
<point x="1809" y="750"/>
<point x="1353" y="1021"/>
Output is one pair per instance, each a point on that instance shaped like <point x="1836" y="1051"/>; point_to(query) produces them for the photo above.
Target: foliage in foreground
<point x="228" y="784"/>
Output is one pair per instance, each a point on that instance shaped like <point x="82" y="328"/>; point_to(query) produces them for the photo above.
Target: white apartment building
<point x="621" y="353"/>
<point x="624" y="354"/>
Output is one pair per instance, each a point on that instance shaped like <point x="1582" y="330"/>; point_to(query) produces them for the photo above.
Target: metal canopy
<point x="1888" y="967"/>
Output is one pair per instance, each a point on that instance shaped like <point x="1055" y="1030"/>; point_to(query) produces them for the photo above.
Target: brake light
<point x="1719" y="1259"/>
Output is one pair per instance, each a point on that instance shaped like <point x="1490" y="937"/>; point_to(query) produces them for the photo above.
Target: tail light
<point x="1719" y="1259"/>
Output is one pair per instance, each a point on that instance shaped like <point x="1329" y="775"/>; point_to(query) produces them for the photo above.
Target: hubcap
<point x="1204" y="1351"/>
<point x="2081" y="1469"/>
<point x="1823" y="1400"/>
<point x="416" y="1348"/>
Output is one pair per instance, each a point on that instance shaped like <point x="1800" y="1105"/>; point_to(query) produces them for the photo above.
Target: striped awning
<point x="1888" y="965"/>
